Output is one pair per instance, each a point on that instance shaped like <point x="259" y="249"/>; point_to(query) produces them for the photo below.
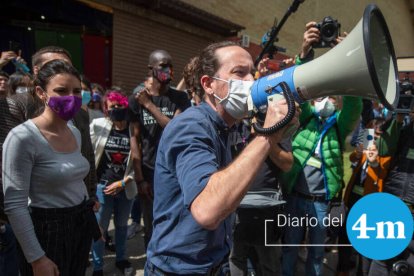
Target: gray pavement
<point x="135" y="252"/>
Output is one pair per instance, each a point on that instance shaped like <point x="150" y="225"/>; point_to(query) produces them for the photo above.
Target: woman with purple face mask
<point x="43" y="165"/>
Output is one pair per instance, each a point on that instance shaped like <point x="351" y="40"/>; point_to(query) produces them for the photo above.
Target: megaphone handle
<point x="289" y="116"/>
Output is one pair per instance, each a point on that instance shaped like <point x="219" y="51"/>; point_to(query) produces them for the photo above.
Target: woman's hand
<point x="44" y="267"/>
<point x="114" y="188"/>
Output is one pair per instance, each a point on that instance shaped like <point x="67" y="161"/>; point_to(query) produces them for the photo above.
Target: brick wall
<point x="135" y="37"/>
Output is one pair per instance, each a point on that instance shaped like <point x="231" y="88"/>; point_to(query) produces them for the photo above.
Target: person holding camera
<point x="316" y="175"/>
<point x="314" y="38"/>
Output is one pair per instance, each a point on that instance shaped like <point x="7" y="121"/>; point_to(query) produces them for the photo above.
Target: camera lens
<point x="400" y="267"/>
<point x="328" y="31"/>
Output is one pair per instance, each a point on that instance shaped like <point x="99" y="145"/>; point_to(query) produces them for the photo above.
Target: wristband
<point x="309" y="57"/>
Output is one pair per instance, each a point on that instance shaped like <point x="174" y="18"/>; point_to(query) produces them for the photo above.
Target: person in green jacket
<point x="317" y="172"/>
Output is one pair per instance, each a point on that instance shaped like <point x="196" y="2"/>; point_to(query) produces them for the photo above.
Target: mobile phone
<point x="15" y="46"/>
<point x="368" y="138"/>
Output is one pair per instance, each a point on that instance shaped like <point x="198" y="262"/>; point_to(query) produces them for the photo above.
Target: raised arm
<point x="144" y="99"/>
<point x="225" y="188"/>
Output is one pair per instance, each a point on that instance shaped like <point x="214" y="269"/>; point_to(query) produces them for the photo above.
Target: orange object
<point x="275" y="65"/>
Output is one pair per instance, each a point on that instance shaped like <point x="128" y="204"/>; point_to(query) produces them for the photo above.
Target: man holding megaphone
<point x="196" y="186"/>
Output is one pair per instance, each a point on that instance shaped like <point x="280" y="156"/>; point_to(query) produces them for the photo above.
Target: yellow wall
<point x="258" y="15"/>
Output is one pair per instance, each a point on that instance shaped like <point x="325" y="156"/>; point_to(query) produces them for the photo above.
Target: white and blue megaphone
<point x="362" y="65"/>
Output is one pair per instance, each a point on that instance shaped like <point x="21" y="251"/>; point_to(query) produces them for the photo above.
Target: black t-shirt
<point x="114" y="160"/>
<point x="266" y="178"/>
<point x="150" y="130"/>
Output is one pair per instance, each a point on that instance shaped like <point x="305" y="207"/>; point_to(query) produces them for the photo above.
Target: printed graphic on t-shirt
<point x="150" y="120"/>
<point x="117" y="150"/>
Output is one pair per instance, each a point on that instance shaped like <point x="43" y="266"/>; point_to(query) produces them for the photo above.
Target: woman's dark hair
<point x="207" y="63"/>
<point x="52" y="68"/>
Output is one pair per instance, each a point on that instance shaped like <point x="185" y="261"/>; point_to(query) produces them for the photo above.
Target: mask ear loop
<point x="228" y="91"/>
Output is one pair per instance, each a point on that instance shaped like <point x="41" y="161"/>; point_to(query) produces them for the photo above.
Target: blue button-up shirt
<point x="194" y="145"/>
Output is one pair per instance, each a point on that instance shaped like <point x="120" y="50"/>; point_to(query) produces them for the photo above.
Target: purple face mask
<point x="65" y="107"/>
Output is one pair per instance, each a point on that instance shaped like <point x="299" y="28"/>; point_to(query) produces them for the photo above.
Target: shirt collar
<point x="219" y="123"/>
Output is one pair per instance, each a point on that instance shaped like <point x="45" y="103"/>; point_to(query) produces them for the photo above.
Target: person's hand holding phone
<point x="359" y="150"/>
<point x="6" y="57"/>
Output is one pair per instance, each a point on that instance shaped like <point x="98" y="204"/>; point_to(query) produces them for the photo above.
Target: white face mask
<point x="235" y="103"/>
<point x="22" y="89"/>
<point x="324" y="108"/>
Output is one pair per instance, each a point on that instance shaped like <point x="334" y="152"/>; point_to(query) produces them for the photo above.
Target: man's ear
<point x="41" y="93"/>
<point x="206" y="83"/>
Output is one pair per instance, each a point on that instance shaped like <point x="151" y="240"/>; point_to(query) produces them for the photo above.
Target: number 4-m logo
<point x="380" y="226"/>
<point x="361" y="226"/>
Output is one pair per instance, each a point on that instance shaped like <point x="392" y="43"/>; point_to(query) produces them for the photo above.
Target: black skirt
<point x="66" y="235"/>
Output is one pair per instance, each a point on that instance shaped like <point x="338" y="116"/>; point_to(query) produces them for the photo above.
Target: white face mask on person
<point x="235" y="103"/>
<point x="324" y="108"/>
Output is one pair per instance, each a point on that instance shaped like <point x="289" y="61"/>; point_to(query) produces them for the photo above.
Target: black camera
<point x="406" y="100"/>
<point x="401" y="267"/>
<point x="329" y="30"/>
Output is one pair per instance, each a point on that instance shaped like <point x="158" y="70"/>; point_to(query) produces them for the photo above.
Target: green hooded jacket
<point x="306" y="140"/>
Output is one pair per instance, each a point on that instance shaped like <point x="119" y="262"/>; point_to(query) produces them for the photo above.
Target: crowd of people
<point x="186" y="160"/>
